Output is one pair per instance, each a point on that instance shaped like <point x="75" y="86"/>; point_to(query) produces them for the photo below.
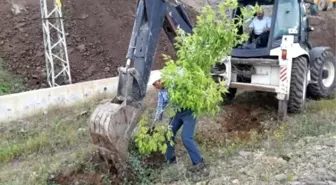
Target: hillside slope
<point x="98" y="37"/>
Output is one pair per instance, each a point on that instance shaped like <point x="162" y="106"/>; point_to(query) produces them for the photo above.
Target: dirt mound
<point x="241" y="118"/>
<point x="98" y="37"/>
<point x="97" y="173"/>
<point x="236" y="121"/>
<point x="324" y="33"/>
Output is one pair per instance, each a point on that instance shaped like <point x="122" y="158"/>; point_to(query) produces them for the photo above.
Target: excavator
<point x="288" y="65"/>
<point x="323" y="5"/>
<point x="111" y="124"/>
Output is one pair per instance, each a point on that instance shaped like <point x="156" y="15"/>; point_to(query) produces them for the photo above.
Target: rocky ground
<point x="310" y="161"/>
<point x="258" y="150"/>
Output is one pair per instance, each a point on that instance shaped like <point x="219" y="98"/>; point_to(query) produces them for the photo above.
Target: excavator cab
<point x="282" y="60"/>
<point x="282" y="17"/>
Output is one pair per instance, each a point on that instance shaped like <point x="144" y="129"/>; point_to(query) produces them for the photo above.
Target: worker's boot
<point x="172" y="161"/>
<point x="198" y="170"/>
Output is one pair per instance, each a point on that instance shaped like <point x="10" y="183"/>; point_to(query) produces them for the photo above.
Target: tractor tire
<point x="323" y="86"/>
<point x="323" y="5"/>
<point x="298" y="85"/>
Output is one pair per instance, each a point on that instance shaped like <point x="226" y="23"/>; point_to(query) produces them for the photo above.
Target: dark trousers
<point x="186" y="119"/>
<point x="263" y="38"/>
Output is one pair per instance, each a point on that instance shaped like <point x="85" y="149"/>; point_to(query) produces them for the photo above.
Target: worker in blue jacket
<point x="185" y="118"/>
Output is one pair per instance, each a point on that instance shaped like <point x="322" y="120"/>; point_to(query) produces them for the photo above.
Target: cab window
<point x="287" y="19"/>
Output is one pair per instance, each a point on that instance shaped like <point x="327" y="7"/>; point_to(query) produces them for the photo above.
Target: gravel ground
<point x="309" y="161"/>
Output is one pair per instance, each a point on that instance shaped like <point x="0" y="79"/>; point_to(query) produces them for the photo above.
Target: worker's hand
<point x="156" y="120"/>
<point x="266" y="29"/>
<point x="151" y="130"/>
<point x="152" y="126"/>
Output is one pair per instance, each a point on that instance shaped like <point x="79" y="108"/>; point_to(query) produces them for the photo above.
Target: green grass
<point x="33" y="149"/>
<point x="319" y="119"/>
<point x="9" y="83"/>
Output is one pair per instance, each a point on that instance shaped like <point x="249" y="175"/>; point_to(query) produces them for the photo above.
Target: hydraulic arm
<point x="112" y="123"/>
<point x="151" y="17"/>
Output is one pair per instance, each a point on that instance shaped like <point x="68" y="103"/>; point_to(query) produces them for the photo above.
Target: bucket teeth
<point x="111" y="126"/>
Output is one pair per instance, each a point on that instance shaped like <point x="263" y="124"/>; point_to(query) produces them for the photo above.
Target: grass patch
<point x="319" y="119"/>
<point x="9" y="83"/>
<point x="60" y="134"/>
<point x="34" y="149"/>
<point x="218" y="146"/>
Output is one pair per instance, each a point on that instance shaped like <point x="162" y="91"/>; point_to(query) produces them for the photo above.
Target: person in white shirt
<point x="260" y="27"/>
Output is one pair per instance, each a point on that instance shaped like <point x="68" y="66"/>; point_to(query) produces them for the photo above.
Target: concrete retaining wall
<point x="20" y="105"/>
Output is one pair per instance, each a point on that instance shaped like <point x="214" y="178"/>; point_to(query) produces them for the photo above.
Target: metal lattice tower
<point x="56" y="54"/>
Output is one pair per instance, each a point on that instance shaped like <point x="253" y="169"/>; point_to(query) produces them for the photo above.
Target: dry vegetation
<point x="56" y="148"/>
<point x="9" y="83"/>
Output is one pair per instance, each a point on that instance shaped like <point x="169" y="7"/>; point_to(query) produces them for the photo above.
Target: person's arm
<point x="267" y="25"/>
<point x="162" y="102"/>
<point x="159" y="108"/>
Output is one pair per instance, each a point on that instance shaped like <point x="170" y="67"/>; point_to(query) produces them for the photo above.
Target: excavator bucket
<point x="111" y="126"/>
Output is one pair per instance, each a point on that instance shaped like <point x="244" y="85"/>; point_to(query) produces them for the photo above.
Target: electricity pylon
<point x="56" y="54"/>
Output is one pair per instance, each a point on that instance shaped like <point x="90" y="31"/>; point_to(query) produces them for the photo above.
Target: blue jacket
<point x="163" y="100"/>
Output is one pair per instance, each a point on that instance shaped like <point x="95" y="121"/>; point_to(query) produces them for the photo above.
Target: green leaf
<point x="214" y="36"/>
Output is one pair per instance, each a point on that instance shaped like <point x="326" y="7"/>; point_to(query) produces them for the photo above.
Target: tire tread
<point x="314" y="89"/>
<point x="299" y="69"/>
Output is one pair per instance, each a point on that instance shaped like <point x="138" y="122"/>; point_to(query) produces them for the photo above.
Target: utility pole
<point x="56" y="54"/>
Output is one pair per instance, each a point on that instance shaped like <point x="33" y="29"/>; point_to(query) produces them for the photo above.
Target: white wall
<point x="16" y="106"/>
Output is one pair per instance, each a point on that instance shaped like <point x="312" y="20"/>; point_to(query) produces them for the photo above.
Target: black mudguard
<point x="315" y="53"/>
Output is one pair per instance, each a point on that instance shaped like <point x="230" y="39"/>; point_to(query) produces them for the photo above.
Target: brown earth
<point x="324" y="33"/>
<point x="98" y="175"/>
<point x="98" y="37"/>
